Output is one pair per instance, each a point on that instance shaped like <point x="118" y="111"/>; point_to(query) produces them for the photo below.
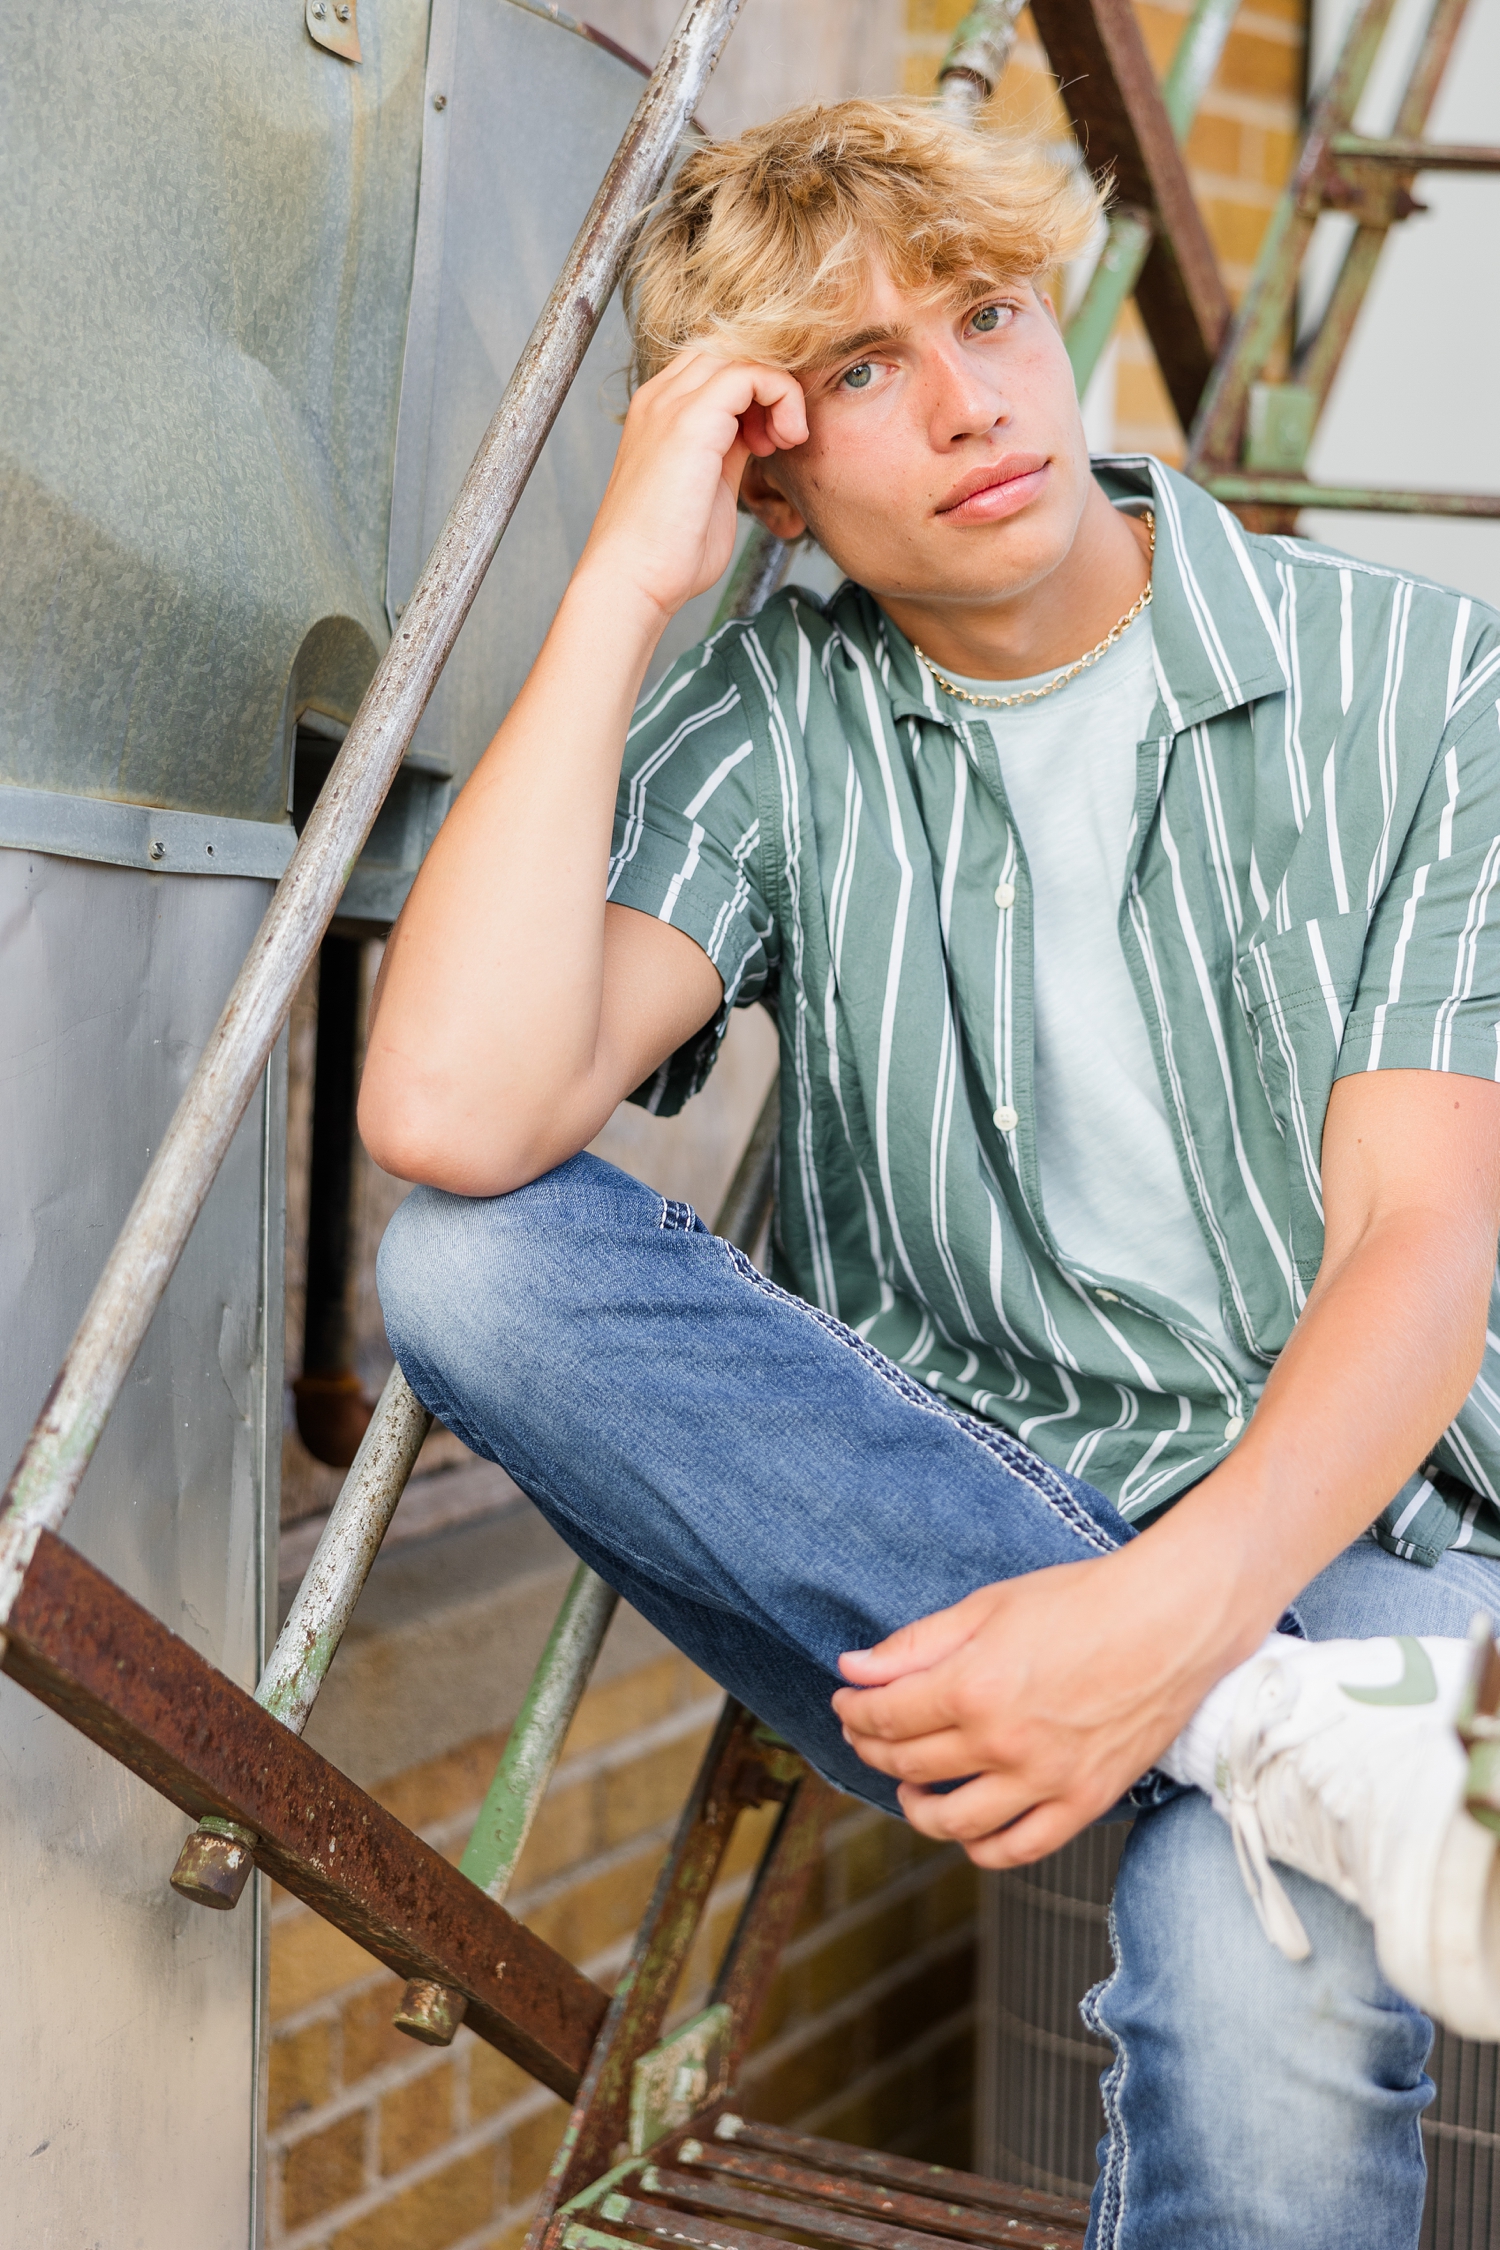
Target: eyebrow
<point x="864" y="340"/>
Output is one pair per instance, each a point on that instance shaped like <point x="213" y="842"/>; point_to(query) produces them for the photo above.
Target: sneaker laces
<point x="1268" y="1696"/>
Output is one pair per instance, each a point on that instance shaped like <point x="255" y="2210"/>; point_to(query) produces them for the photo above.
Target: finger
<point x="913" y="1648"/>
<point x="1045" y="1829"/>
<point x="743" y="384"/>
<point x="970" y="1814"/>
<point x="943" y="1756"/>
<point x="914" y="1706"/>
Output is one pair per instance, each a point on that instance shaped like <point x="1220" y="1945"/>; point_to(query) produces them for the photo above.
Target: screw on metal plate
<point x="430" y="2012"/>
<point x="215" y="1864"/>
<point x="335" y="27"/>
<point x="156" y="849"/>
<point x="439" y="101"/>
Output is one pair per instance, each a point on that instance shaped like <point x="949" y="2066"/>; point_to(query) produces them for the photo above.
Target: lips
<point x="996" y="490"/>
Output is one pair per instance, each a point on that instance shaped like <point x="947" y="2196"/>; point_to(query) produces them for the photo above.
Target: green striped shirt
<point x="1309" y="892"/>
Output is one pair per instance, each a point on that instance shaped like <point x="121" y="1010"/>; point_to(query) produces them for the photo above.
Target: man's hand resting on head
<point x="515" y="1007"/>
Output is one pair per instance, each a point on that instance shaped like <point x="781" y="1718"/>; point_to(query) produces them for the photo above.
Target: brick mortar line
<point x="890" y="2066"/>
<point x="875" y="1989"/>
<point x="851" y="1917"/>
<point x="371" y="2199"/>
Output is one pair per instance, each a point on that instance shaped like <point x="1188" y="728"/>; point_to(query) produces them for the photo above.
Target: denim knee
<point x="481" y="1294"/>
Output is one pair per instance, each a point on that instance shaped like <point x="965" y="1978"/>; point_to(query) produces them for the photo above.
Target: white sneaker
<point x="1342" y="1759"/>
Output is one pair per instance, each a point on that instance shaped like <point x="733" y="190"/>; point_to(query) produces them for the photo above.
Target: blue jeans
<point x="770" y="1491"/>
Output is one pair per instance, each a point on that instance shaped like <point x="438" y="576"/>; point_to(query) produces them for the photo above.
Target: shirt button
<point x="1233" y="1427"/>
<point x="1107" y="1296"/>
<point x="1007" y="1118"/>
<point x="1005" y="894"/>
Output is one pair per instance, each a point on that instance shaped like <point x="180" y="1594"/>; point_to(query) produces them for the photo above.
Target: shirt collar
<point x="1218" y="644"/>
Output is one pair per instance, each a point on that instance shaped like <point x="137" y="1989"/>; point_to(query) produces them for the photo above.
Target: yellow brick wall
<point x="379" y="2144"/>
<point x="1239" y="152"/>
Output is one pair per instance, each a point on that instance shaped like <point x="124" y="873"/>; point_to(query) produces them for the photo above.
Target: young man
<point x="1123" y="884"/>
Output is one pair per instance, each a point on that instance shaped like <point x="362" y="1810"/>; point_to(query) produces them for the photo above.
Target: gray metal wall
<point x="127" y="2115"/>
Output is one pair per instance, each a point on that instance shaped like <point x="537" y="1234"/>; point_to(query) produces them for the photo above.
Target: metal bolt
<point x="156" y="849"/>
<point x="215" y="1864"/>
<point x="319" y="10"/>
<point x="342" y="14"/>
<point x="440" y="101"/>
<point x="430" y="2012"/>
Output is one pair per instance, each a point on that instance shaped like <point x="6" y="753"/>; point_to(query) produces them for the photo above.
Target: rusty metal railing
<point x="63" y="1440"/>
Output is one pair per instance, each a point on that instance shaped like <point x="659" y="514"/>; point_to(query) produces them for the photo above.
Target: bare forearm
<point x="489" y="1006"/>
<point x="515" y="1007"/>
<point x="1380" y="1362"/>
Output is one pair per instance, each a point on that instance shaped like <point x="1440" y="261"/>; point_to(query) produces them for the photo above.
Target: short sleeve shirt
<point x="1310" y="892"/>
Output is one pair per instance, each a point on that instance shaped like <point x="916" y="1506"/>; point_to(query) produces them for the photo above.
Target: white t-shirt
<point x="1112" y="1186"/>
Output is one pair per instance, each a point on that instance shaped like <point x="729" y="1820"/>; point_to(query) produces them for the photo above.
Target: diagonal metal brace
<point x="104" y="1664"/>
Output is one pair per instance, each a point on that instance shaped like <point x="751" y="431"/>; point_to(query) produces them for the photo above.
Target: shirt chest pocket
<point x="1296" y="987"/>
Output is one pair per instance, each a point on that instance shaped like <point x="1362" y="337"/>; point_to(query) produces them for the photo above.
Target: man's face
<point x="945" y="459"/>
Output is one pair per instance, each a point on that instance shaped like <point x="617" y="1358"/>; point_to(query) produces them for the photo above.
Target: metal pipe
<point x="977" y="53"/>
<point x="135" y="1277"/>
<point x="214" y="1864"/>
<point x="1128" y="241"/>
<point x="342" y="1560"/>
<point x="1194" y="61"/>
<point x="762" y="565"/>
<point x="432" y="2012"/>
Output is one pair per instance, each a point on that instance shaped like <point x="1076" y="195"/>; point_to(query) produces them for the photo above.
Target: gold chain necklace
<point x="1035" y="694"/>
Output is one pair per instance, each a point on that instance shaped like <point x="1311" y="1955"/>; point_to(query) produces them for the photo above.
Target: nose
<point x="962" y="398"/>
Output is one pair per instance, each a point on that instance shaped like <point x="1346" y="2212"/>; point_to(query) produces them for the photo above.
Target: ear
<point x="768" y="505"/>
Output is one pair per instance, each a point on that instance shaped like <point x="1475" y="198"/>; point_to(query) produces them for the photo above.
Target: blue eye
<point x="857" y="378"/>
<point x="986" y="319"/>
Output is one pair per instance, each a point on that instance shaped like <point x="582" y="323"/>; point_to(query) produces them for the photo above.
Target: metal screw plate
<point x="334" y="24"/>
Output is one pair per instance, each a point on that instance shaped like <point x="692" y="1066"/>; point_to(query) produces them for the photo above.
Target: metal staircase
<point x="695" y="2172"/>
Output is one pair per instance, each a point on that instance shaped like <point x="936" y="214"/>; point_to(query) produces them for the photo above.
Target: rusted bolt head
<point x="213" y="1869"/>
<point x="439" y="101"/>
<point x="430" y="2012"/>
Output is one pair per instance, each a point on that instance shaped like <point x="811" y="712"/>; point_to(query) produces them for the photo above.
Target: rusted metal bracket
<point x="1119" y="116"/>
<point x="104" y="1664"/>
<point x="742" y="1765"/>
<point x="334" y="24"/>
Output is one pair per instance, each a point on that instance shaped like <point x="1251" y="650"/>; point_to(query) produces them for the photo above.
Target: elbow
<point x="432" y="1143"/>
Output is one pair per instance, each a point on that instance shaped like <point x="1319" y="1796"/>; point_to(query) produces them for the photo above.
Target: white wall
<point x="1416" y="400"/>
<point x="781" y="52"/>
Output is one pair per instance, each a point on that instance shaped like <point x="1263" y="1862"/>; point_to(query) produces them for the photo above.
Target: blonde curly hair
<point x="762" y="246"/>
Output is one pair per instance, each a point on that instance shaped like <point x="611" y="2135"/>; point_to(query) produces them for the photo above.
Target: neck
<point x="1046" y="625"/>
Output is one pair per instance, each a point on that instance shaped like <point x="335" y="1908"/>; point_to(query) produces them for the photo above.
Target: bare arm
<point x="514" y="1008"/>
<point x="1058" y="1690"/>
